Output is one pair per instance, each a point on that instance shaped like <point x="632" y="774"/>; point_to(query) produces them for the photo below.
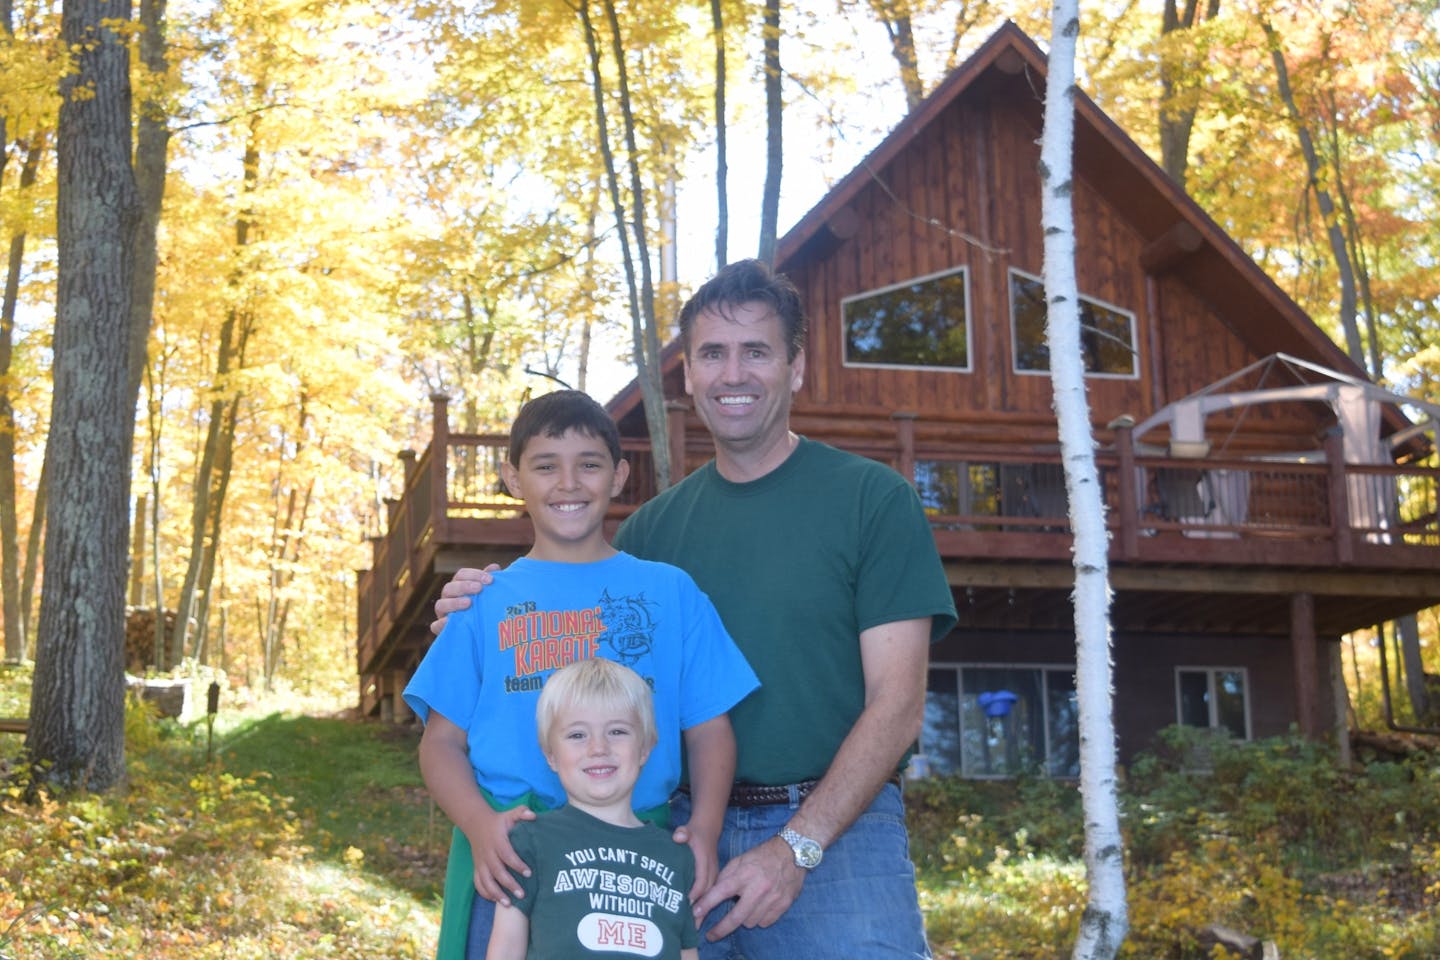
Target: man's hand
<point x="763" y="882"/>
<point x="458" y="590"/>
<point x="495" y="857"/>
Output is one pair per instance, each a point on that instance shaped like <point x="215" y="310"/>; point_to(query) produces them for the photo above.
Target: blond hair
<point x="595" y="681"/>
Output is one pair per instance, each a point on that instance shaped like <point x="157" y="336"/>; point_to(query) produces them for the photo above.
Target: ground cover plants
<point x="296" y="836"/>
<point x="1270" y="838"/>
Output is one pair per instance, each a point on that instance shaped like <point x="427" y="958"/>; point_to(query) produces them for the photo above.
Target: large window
<point x="982" y="489"/>
<point x="952" y="487"/>
<point x="1001" y="721"/>
<point x="1214" y="698"/>
<point x="1107" y="334"/>
<point x="918" y="323"/>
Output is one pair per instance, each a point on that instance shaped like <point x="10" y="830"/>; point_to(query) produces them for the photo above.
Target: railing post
<point x="1129" y="500"/>
<point x="439" y="465"/>
<point x="407" y="461"/>
<point x="905" y="439"/>
<point x="675" y="437"/>
<point x="1339" y="497"/>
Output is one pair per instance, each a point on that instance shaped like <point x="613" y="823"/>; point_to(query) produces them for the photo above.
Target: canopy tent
<point x="1363" y="411"/>
<point x="1359" y="406"/>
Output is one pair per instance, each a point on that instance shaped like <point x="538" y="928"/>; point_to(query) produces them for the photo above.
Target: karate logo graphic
<point x="629" y="627"/>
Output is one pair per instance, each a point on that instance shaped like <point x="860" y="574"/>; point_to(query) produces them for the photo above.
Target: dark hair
<point x="552" y="414"/>
<point x="748" y="281"/>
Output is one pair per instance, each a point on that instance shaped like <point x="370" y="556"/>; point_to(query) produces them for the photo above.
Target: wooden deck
<point x="1215" y="544"/>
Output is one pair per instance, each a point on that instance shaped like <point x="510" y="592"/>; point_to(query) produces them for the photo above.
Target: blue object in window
<point x="998" y="703"/>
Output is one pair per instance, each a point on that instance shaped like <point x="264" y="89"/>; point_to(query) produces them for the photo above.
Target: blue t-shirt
<point x="485" y="670"/>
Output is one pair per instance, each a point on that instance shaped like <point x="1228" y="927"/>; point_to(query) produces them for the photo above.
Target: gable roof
<point x="1181" y="237"/>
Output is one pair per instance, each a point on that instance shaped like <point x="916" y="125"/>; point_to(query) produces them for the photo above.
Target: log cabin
<point x="1263" y="498"/>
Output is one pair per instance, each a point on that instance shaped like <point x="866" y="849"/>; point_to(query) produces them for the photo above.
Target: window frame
<point x="1130" y="315"/>
<point x="1212" y="701"/>
<point x="964" y="272"/>
<point x="958" y="667"/>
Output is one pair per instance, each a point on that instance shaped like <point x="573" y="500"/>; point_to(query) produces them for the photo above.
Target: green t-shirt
<point x="596" y="889"/>
<point x="798" y="563"/>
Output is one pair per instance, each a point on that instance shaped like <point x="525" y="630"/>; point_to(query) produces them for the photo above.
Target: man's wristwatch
<point x="807" y="852"/>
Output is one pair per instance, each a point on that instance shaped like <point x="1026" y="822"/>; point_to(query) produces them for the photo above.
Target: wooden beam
<point x="1305" y="657"/>
<point x="1061" y="576"/>
<point x="1172" y="246"/>
<point x="14" y="724"/>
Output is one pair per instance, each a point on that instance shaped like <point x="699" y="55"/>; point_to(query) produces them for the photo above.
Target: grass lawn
<point x="285" y="836"/>
<point x="292" y="834"/>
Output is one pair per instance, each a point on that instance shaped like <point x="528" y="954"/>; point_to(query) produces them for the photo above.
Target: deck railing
<point x="987" y="504"/>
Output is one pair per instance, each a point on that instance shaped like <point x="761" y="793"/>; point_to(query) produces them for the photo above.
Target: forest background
<point x="359" y="205"/>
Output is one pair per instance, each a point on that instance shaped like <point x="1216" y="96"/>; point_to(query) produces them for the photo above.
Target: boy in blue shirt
<point x="572" y="597"/>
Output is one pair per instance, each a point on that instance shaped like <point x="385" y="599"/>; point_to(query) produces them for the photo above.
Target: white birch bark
<point x="1104" y="923"/>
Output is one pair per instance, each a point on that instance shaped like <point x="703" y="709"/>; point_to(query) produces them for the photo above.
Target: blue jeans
<point x="482" y="918"/>
<point x="859" y="903"/>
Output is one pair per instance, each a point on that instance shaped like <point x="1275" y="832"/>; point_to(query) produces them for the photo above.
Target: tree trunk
<point x="1333" y="230"/>
<point x="286" y="540"/>
<point x="774" y="144"/>
<point x="1177" y="122"/>
<point x="215" y="524"/>
<point x="136" y="591"/>
<point x="152" y="140"/>
<point x="1407" y="636"/>
<point x="32" y="548"/>
<point x="648" y="341"/>
<point x="14" y="620"/>
<point x="644" y="336"/>
<point x="894" y="15"/>
<point x="77" y="702"/>
<point x="1104" y="923"/>
<point x="152" y="457"/>
<point x="722" y="203"/>
<point x="234" y="334"/>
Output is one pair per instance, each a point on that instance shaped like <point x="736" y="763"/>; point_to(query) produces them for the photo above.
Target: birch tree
<point x="1104" y="923"/>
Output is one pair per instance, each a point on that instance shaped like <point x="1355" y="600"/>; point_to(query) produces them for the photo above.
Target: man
<point x="823" y="567"/>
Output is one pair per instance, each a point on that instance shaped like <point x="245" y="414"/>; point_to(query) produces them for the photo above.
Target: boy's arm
<point x="445" y="765"/>
<point x="510" y="935"/>
<point x="711" y="748"/>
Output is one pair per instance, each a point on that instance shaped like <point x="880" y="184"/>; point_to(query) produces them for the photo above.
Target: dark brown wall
<point x="1144" y="676"/>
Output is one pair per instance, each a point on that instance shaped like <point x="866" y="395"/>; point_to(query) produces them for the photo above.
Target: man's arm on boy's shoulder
<point x="445" y="766"/>
<point x="510" y="935"/>
<point x="456" y="593"/>
<point x="711" y="748"/>
<point x="765" y="878"/>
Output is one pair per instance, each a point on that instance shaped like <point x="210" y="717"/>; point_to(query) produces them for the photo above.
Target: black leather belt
<point x="764" y="795"/>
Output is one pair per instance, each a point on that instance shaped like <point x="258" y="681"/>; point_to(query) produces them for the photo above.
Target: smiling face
<point x="742" y="380"/>
<point x="597" y="750"/>
<point x="567" y="483"/>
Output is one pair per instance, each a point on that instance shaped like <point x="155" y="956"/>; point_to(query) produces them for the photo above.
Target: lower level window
<point x="1213" y="698"/>
<point x="1001" y="721"/>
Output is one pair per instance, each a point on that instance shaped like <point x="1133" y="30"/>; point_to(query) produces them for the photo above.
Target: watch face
<point x="807" y="851"/>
